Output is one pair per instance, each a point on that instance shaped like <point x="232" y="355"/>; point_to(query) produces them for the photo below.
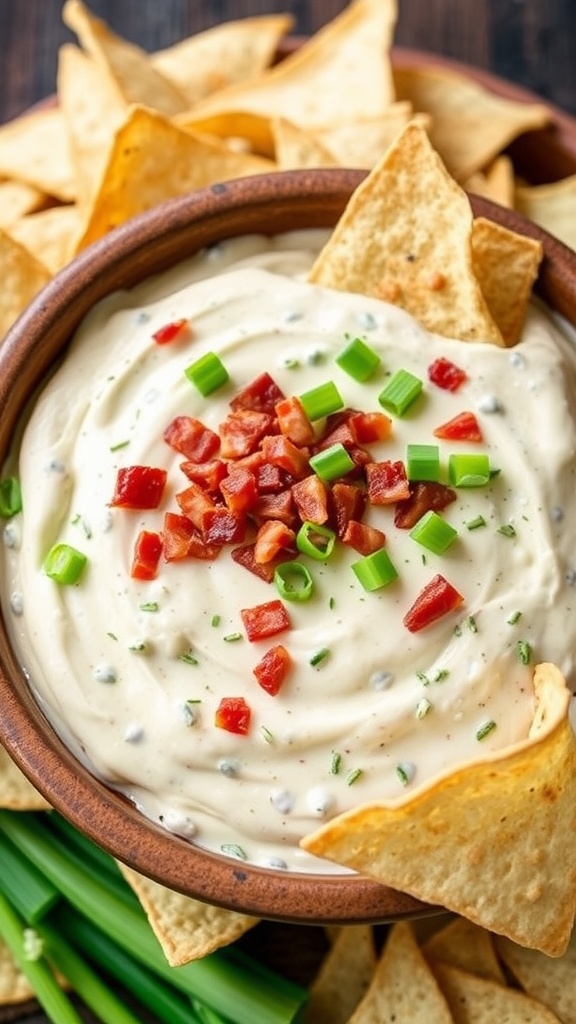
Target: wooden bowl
<point x="151" y="243"/>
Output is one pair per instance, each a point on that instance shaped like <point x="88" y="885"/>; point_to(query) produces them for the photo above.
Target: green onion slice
<point x="485" y="730"/>
<point x="332" y="462"/>
<point x="423" y="462"/>
<point x="10" y="497"/>
<point x="208" y="373"/>
<point x="294" y="581"/>
<point x="400" y="392"/>
<point x="469" y="470"/>
<point x="358" y="360"/>
<point x="434" y="533"/>
<point x="315" y="541"/>
<point x="64" y="564"/>
<point x="375" y="571"/>
<point x="322" y="401"/>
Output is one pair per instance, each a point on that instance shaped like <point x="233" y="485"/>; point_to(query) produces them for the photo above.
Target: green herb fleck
<point x="471" y="623"/>
<point x="149" y="606"/>
<point x="112" y="636"/>
<point x="507" y="530"/>
<point x="353" y="776"/>
<point x="266" y="734"/>
<point x="231" y="638"/>
<point x="423" y="678"/>
<point x="188" y="658"/>
<point x="476" y="523"/>
<point x="524" y="652"/>
<point x="335" y="763"/>
<point x="514" y="618"/>
<point x="119" y="446"/>
<point x="485" y="729"/>
<point x="441" y="675"/>
<point x="233" y="850"/>
<point x="215" y="621"/>
<point x="291" y="364"/>
<point x="138" y="647"/>
<point x="319" y="657"/>
<point x="331" y="603"/>
<point x="402" y="774"/>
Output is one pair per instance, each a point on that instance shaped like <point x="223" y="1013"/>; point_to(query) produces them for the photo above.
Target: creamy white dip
<point x="386" y="707"/>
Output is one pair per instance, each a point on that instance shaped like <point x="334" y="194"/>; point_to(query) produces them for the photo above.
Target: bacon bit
<point x="434" y="280"/>
<point x="242" y="431"/>
<point x="169" y="332"/>
<point x="207" y="475"/>
<point x="387" y="482"/>
<point x="368" y="427"/>
<point x="272" y="538"/>
<point x="293" y="421"/>
<point x="272" y="669"/>
<point x="348" y="503"/>
<point x="425" y="496"/>
<point x="280" y="451"/>
<point x="192" y="438"/>
<point x="195" y="503"/>
<point x="244" y="556"/>
<point x="311" y="499"/>
<point x="222" y="526"/>
<point x="387" y="290"/>
<point x="445" y="374"/>
<point x="264" y="620"/>
<point x="270" y="479"/>
<point x="147" y="551"/>
<point x="261" y="395"/>
<point x="340" y="434"/>
<point x="139" y="487"/>
<point x="233" y="714"/>
<point x="275" y="506"/>
<point x="363" y="538"/>
<point x="239" y="490"/>
<point x="182" y="540"/>
<point x="463" y="427"/>
<point x="433" y="602"/>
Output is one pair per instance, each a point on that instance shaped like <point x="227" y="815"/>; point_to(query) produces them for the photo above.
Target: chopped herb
<point x="476" y="523"/>
<point x="336" y="763"/>
<point x="485" y="729"/>
<point x="458" y="630"/>
<point x="441" y="674"/>
<point x="233" y="850"/>
<point x="402" y="774"/>
<point x="353" y="776"/>
<point x="331" y="602"/>
<point x="507" y="530"/>
<point x="423" y="707"/>
<point x="524" y="652"/>
<point x="112" y="636"/>
<point x="291" y="364"/>
<point x="231" y="638"/>
<point x="423" y="678"/>
<point x="138" y="647"/>
<point x="149" y="606"/>
<point x="193" y="700"/>
<point x="319" y="656"/>
<point x="514" y="618"/>
<point x="215" y="621"/>
<point x="188" y="658"/>
<point x="471" y="623"/>
<point x="266" y="734"/>
<point x="119" y="446"/>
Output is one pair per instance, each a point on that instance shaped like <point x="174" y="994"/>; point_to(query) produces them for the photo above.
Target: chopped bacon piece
<point x="387" y="482"/>
<point x="425" y="496"/>
<point x="293" y="421"/>
<point x="311" y="499"/>
<point x="192" y="438"/>
<point x="233" y="714"/>
<point x="463" y="427"/>
<point x="147" y="551"/>
<point x="207" y="475"/>
<point x="270" y="479"/>
<point x="272" y="538"/>
<point x="194" y="503"/>
<point x="436" y="599"/>
<point x="272" y="669"/>
<point x="280" y="451"/>
<point x="239" y="489"/>
<point x="348" y="503"/>
<point x="363" y="538"/>
<point x="446" y="374"/>
<point x="223" y="526"/>
<point x="264" y="620"/>
<point x="244" y="556"/>
<point x="340" y="434"/>
<point x="275" y="506"/>
<point x="242" y="431"/>
<point x="169" y="332"/>
<point x="368" y="427"/>
<point x="139" y="487"/>
<point x="261" y="395"/>
<point x="182" y="540"/>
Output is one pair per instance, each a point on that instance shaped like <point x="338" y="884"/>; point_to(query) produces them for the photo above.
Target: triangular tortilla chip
<point x="185" y="928"/>
<point x="34" y="148"/>
<point x="363" y="142"/>
<point x="17" y="199"/>
<point x="16" y="793"/>
<point x="342" y="72"/>
<point x="344" y="976"/>
<point x="297" y="149"/>
<point x="255" y="129"/>
<point x="496" y="182"/>
<point x="477" y="1001"/>
<point x="492" y="840"/>
<point x="506" y="265"/>
<point x="232" y="52"/>
<point x="22" y="277"/>
<point x="467" y="946"/>
<point x="49" y="235"/>
<point x="552" y="982"/>
<point x="152" y="160"/>
<point x="128" y="67"/>
<point x="405" y="237"/>
<point x="552" y="206"/>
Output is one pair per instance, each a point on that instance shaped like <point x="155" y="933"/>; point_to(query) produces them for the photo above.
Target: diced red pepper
<point x="139" y="487"/>
<point x="233" y="714"/>
<point x="463" y="427"/>
<point x="433" y="602"/>
<point x="264" y="620"/>
<point x="275" y="506"/>
<point x="194" y="503"/>
<point x="369" y="427"/>
<point x="262" y="395"/>
<point x="425" y="496"/>
<point x="363" y="538"/>
<point x="280" y="451"/>
<point x="207" y="475"/>
<point x="293" y="421"/>
<point x="311" y="499"/>
<point x="239" y="489"/>
<point x="272" y="538"/>
<point x="169" y="332"/>
<point x="147" y="551"/>
<point x="446" y="374"/>
<point x="242" y="431"/>
<point x="272" y="669"/>
<point x="192" y="438"/>
<point x="348" y="503"/>
<point x="182" y="540"/>
<point x="387" y="482"/>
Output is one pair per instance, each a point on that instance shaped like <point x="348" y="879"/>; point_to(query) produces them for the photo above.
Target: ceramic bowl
<point x="149" y="244"/>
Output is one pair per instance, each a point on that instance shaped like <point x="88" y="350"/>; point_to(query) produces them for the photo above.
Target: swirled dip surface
<point x="385" y="709"/>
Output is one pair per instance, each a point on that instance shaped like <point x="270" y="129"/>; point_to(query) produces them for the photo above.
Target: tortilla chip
<point x="495" y="183"/>
<point x="22" y="278"/>
<point x="467" y="946"/>
<point x="552" y="206"/>
<point x="232" y="52"/>
<point x="362" y="143"/>
<point x="403" y="987"/>
<point x="342" y="72"/>
<point x="49" y="235"/>
<point x="16" y="793"/>
<point x="506" y="265"/>
<point x="254" y="129"/>
<point x="185" y="928"/>
<point x="477" y="1001"/>
<point x="552" y="982"/>
<point x="127" y="67"/>
<point x="470" y="125"/>
<point x="344" y="977"/>
<point x="17" y="199"/>
<point x="405" y="237"/>
<point x="34" y="148"/>
<point x="152" y="160"/>
<point x="505" y="822"/>
<point x="297" y="149"/>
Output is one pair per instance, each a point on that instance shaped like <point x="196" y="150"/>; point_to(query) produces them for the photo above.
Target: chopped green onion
<point x="514" y="618"/>
<point x="117" y="447"/>
<point x="469" y="470"/>
<point x="485" y="729"/>
<point x="332" y="462"/>
<point x="358" y="360"/>
<point x="353" y="776"/>
<point x="441" y="675"/>
<point x="64" y="564"/>
<point x="215" y="621"/>
<point x="400" y="392"/>
<point x="375" y="571"/>
<point x="188" y="658"/>
<point x="231" y="638"/>
<point x="524" y="652"/>
<point x="315" y="540"/>
<point x="507" y="530"/>
<point x="402" y="774"/>
<point x="423" y="707"/>
<point x="10" y="497"/>
<point x="208" y="373"/>
<point x="434" y="533"/>
<point x="29" y="892"/>
<point x="294" y="581"/>
<point x="321" y="401"/>
<point x="423" y="678"/>
<point x="331" y="603"/>
<point x="335" y="763"/>
<point x="423" y="462"/>
<point x="476" y="523"/>
<point x="319" y="656"/>
<point x="149" y="606"/>
<point x="471" y="623"/>
<point x="266" y="734"/>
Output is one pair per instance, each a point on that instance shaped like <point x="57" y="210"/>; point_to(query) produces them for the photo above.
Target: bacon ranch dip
<point x="393" y="668"/>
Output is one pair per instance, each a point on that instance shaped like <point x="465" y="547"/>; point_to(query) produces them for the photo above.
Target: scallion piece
<point x="321" y="401"/>
<point x="207" y="374"/>
<point x="423" y="462"/>
<point x="469" y="470"/>
<point x="10" y="497"/>
<point x="434" y="533"/>
<point x="29" y="891"/>
<point x="507" y="530"/>
<point x="400" y="392"/>
<point x="476" y="523"/>
<point x="294" y="581"/>
<point x="358" y="360"/>
<point x="315" y="541"/>
<point x="524" y="652"/>
<point x="64" y="564"/>
<point x="375" y="571"/>
<point x="319" y="656"/>
<point x="353" y="776"/>
<point x="332" y="462"/>
<point x="485" y="730"/>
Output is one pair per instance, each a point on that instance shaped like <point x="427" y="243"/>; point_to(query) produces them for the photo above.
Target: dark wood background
<point x="530" y="42"/>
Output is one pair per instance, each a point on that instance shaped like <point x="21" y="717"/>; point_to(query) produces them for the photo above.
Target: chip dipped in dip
<point x="393" y="669"/>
